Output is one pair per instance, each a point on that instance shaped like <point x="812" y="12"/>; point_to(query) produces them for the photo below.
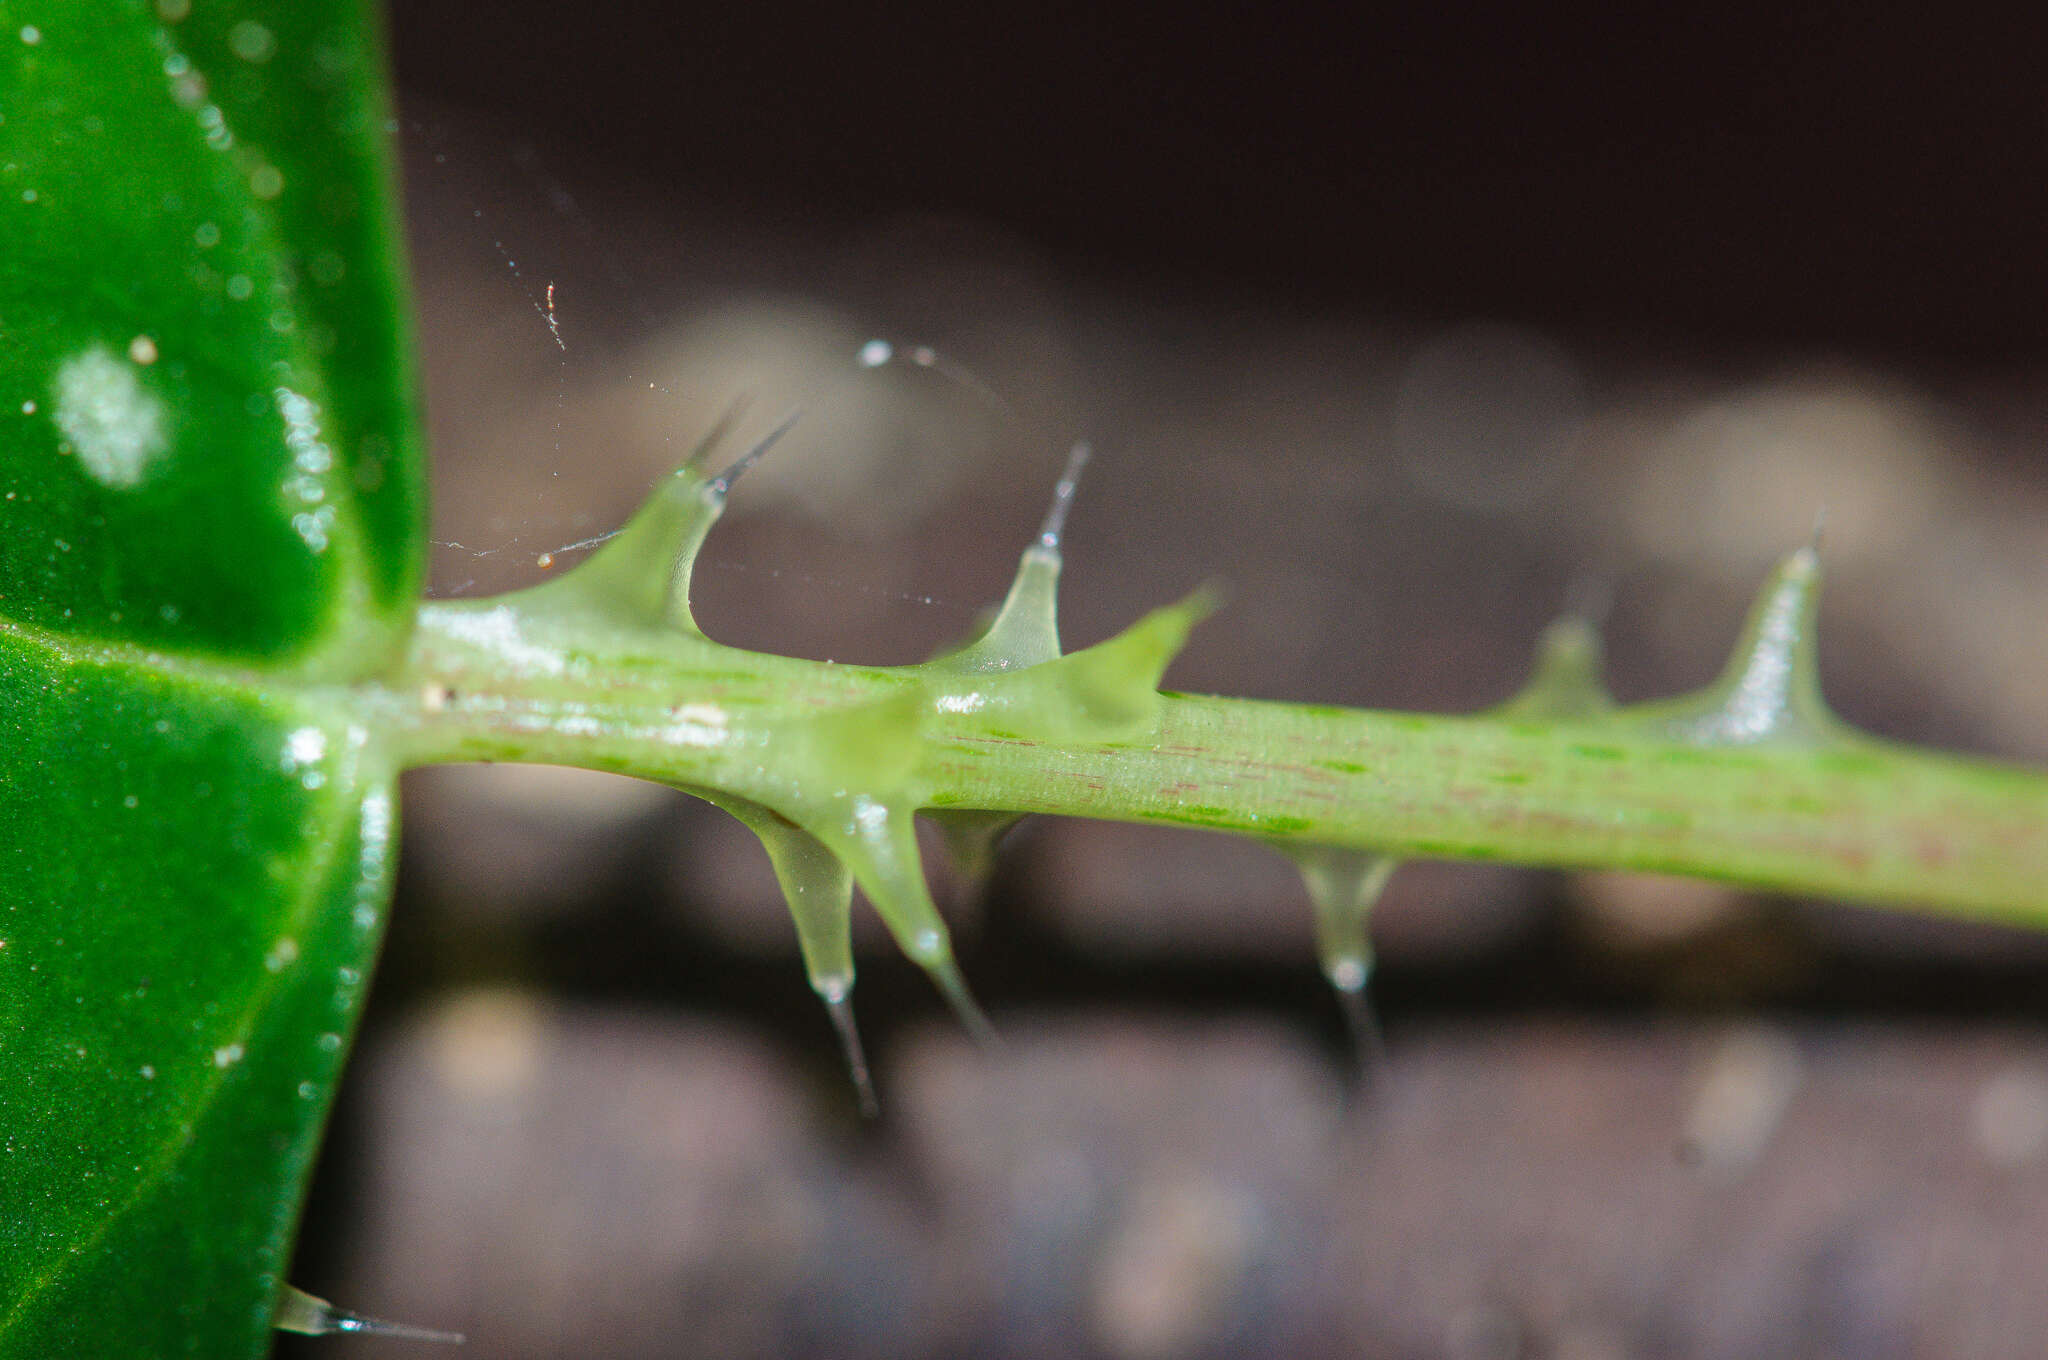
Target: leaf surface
<point x="206" y="410"/>
<point x="210" y="522"/>
<point x="192" y="883"/>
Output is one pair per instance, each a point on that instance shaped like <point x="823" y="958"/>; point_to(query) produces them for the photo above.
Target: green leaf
<point x="191" y="895"/>
<point x="210" y="521"/>
<point x="205" y="404"/>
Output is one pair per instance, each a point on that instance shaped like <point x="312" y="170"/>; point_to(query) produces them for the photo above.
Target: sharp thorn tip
<point x="968" y="1011"/>
<point x="1055" y="525"/>
<point x="720" y="428"/>
<point x="722" y="483"/>
<point x="1368" y="1042"/>
<point x="839" y="1006"/>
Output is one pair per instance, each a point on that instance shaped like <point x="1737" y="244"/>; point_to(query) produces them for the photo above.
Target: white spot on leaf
<point x="305" y="746"/>
<point x="376" y="818"/>
<point x="113" y="423"/>
<point x="310" y="452"/>
<point x="214" y="124"/>
<point x="313" y="526"/>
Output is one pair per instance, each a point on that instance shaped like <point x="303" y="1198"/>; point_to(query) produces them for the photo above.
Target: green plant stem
<point x="1851" y="817"/>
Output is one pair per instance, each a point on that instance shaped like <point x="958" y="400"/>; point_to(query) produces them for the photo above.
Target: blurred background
<point x="1404" y="326"/>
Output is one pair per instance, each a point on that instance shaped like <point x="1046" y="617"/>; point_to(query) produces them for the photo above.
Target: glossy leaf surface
<point x="210" y="497"/>
<point x="204" y="405"/>
<point x="191" y="890"/>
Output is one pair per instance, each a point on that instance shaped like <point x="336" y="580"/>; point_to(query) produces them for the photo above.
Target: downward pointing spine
<point x="818" y="890"/>
<point x="1343" y="887"/>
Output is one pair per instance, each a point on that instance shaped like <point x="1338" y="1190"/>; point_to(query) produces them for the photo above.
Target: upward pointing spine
<point x="1050" y="532"/>
<point x="1770" y="689"/>
<point x="1026" y="630"/>
<point x="642" y="573"/>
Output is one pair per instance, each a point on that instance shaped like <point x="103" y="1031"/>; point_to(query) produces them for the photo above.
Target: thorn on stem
<point x="838" y="999"/>
<point x="722" y="483"/>
<point x="303" y="1313"/>
<point x="1063" y="496"/>
<point x="953" y="986"/>
<point x="1361" y="1018"/>
<point x="720" y="428"/>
